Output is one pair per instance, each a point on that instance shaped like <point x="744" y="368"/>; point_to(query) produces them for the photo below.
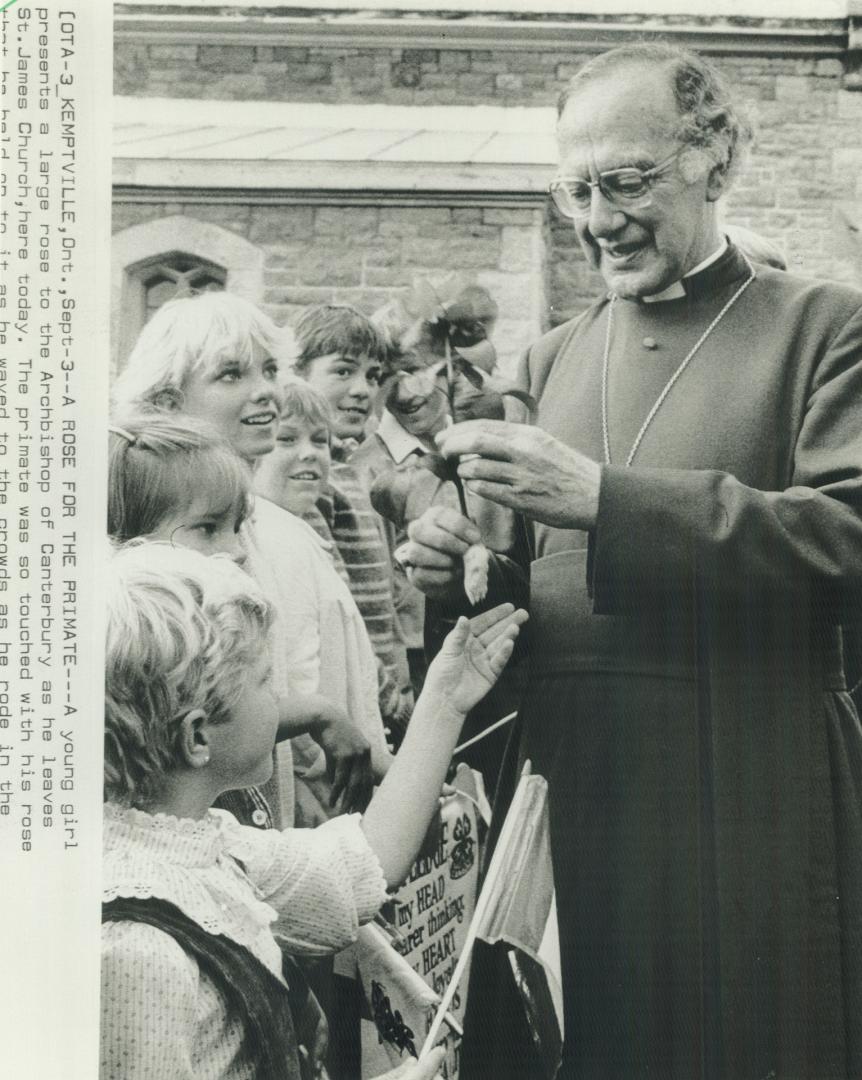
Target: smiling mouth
<point x="622" y="252"/>
<point x="305" y="476"/>
<point x="259" y="419"/>
<point x="351" y="410"/>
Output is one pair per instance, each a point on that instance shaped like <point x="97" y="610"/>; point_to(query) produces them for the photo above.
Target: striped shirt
<point x="357" y="532"/>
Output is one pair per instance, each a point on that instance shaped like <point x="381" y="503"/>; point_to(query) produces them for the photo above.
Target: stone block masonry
<point x="366" y="255"/>
<point x="408" y="76"/>
<point x="804" y="167"/>
<point x="801" y="186"/>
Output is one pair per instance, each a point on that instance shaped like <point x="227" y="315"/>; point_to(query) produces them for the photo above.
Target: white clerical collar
<point x="397" y="439"/>
<point x="675" y="291"/>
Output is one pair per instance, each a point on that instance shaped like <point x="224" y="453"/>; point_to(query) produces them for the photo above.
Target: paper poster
<point x="432" y="912"/>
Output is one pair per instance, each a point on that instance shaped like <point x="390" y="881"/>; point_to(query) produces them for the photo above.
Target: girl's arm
<point x="467" y="666"/>
<point x="326" y="882"/>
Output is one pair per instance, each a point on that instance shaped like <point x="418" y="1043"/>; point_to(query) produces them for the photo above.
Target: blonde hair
<point x="159" y="462"/>
<point x="193" y="332"/>
<point x="183" y="630"/>
<point x="302" y="402"/>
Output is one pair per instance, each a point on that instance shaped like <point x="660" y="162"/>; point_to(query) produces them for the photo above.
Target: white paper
<point x="54" y="235"/>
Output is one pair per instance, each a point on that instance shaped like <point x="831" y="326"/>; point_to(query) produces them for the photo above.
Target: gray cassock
<point x="686" y="697"/>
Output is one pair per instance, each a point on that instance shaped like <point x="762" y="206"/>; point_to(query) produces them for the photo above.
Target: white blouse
<point x="161" y="1016"/>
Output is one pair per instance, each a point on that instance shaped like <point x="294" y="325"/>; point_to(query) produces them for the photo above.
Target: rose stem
<point x="450" y="393"/>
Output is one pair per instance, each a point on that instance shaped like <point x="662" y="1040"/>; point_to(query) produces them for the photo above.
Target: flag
<point x="397" y="998"/>
<point x="516" y="905"/>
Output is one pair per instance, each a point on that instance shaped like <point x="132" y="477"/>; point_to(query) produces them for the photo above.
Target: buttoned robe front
<point x="686" y="696"/>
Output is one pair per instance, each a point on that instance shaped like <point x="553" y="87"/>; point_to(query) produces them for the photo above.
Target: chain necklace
<point x="671" y="381"/>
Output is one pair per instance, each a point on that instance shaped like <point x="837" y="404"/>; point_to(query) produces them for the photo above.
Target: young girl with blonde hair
<point x="192" y="979"/>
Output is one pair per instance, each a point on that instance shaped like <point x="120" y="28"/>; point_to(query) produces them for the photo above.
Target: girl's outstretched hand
<point x="473" y="655"/>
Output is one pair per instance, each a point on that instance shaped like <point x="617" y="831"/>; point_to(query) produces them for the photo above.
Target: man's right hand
<point x="435" y="551"/>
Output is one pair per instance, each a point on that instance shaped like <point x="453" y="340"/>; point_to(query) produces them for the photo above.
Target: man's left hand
<point x="524" y="468"/>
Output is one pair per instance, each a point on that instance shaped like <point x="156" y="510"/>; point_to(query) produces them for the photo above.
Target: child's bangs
<point x="191" y="332"/>
<point x="175" y="482"/>
<point x="160" y="463"/>
<point x="337" y="328"/>
<point x="302" y="403"/>
<point x="217" y="475"/>
<point x="230" y="329"/>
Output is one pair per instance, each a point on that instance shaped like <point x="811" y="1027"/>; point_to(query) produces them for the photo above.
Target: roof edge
<point x="821" y="38"/>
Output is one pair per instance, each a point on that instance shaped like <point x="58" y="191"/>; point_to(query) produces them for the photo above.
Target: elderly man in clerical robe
<point x="694" y="486"/>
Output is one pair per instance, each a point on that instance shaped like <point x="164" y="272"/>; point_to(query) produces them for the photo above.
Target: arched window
<point x="156" y="261"/>
<point x="169" y="276"/>
<point x="153" y="281"/>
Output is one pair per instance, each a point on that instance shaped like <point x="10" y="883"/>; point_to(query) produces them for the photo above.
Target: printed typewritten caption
<point x="53" y="210"/>
<point x="39" y="464"/>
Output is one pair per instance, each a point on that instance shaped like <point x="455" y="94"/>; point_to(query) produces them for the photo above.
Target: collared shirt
<point x="394" y="453"/>
<point x="676" y="290"/>
<point x="398" y="440"/>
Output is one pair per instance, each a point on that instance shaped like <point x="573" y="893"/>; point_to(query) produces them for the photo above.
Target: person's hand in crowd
<point x="348" y="761"/>
<point x="434" y="552"/>
<point x="396" y="702"/>
<point x="526" y="469"/>
<point x="473" y="656"/>
<point x="348" y="752"/>
<point x="405" y="705"/>
<point x="426" y="1069"/>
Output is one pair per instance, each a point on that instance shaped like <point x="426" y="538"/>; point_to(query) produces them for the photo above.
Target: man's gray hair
<point x="710" y="120"/>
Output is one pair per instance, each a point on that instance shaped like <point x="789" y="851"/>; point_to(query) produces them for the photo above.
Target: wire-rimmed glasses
<point x="628" y="188"/>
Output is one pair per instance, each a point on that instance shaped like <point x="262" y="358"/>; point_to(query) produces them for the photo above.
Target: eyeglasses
<point x="627" y="189"/>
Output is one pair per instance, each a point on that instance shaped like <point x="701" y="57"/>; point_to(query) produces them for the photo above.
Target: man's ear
<point x="194" y="739"/>
<point x="716" y="181"/>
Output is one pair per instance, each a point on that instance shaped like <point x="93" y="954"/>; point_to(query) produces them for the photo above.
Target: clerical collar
<point x="678" y="289"/>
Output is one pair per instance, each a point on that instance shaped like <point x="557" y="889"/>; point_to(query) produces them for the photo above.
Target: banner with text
<point x="432" y="912"/>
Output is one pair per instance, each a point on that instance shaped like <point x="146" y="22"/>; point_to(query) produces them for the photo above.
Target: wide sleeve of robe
<point x="687" y="700"/>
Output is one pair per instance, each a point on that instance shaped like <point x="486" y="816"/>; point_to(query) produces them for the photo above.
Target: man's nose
<point x="604" y="217"/>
